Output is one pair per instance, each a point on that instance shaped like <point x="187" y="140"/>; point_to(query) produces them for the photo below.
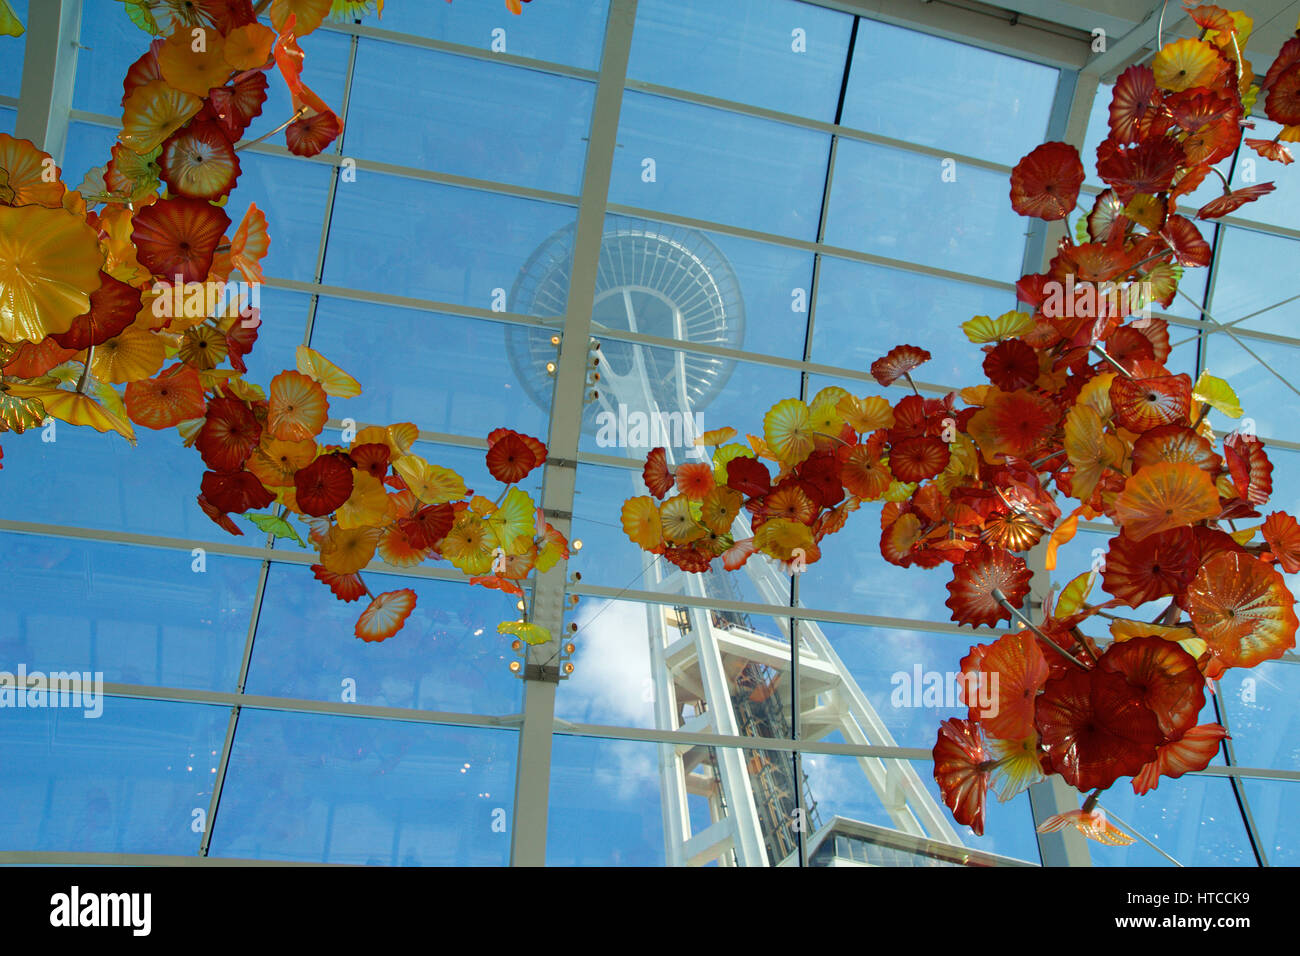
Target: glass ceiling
<point x="784" y="165"/>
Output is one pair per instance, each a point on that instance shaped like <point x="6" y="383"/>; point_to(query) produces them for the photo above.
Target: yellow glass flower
<point x="679" y="520"/>
<point x="367" y="506"/>
<point x="642" y="524"/>
<point x="430" y="483"/>
<point x="468" y="545"/>
<point x="348" y="550"/>
<point x="49" y="265"/>
<point x="134" y="355"/>
<point x="1186" y="63"/>
<point x="788" y="431"/>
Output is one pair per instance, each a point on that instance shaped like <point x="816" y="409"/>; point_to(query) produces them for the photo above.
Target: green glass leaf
<point x="19" y="414"/>
<point x="138" y="11"/>
<point x="1217" y="393"/>
<point x="274" y="524"/>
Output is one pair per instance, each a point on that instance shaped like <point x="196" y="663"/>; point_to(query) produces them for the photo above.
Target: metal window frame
<point x="45" y="109"/>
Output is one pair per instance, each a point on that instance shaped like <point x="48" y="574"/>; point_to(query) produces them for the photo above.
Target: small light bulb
<point x="550" y="368"/>
<point x="516" y="645"/>
<point x="568" y="668"/>
<point x="520" y="605"/>
<point x="555" y="340"/>
<point x="514" y="667"/>
<point x="568" y="648"/>
<point x="577" y="544"/>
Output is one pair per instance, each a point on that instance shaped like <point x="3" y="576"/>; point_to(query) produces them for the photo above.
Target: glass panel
<point x="88" y="146"/>
<point x="112" y="43"/>
<point x="779" y="55"/>
<point x="1194" y="819"/>
<point x="11" y="79"/>
<point x="324" y="789"/>
<point x="481" y="130"/>
<point x="85" y="479"/>
<point x="991" y="105"/>
<point x="1265" y="397"/>
<point x="1245" y="258"/>
<point x="8" y="117"/>
<point x="1272" y="805"/>
<point x="694" y="393"/>
<point x="851" y="576"/>
<point x="1280" y="207"/>
<point x="605" y="806"/>
<point x="283" y="328"/>
<point x="462" y="245"/>
<point x="708" y="164"/>
<point x="127" y="782"/>
<point x="881" y="196"/>
<point x="450" y="376"/>
<point x="847" y="806"/>
<point x="1263" y="712"/>
<point x="138" y="615"/>
<point x="292" y="193"/>
<point x="863" y="311"/>
<point x="616" y="679"/>
<point x="570" y="31"/>
<point x="448" y="657"/>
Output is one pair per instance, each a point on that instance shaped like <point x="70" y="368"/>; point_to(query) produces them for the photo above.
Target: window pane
<point x="449" y="377"/>
<point x="570" y="31"/>
<point x="847" y="804"/>
<point x="1272" y="804"/>
<point x="433" y="241"/>
<point x="1252" y="272"/>
<point x="700" y="162"/>
<point x="864" y="310"/>
<point x="127" y="782"/>
<point x="85" y="479"/>
<point x="893" y="203"/>
<point x="1262" y="707"/>
<point x="1194" y="819"/>
<point x="14" y="47"/>
<point x="992" y="106"/>
<point x="323" y="789"/>
<point x="292" y="193"/>
<point x="480" y="128"/>
<point x="1282" y="206"/>
<point x="87" y="146"/>
<point x="8" y="117"/>
<point x="775" y="54"/>
<point x="139" y="615"/>
<point x="1264" y="396"/>
<point x="448" y="657"/>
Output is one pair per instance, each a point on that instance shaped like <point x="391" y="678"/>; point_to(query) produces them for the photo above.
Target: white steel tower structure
<point x="712" y="670"/>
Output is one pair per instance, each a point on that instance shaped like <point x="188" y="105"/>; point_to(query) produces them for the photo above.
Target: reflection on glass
<point x="779" y="55"/>
<point x="129" y="781"/>
<point x="974" y="101"/>
<point x="138" y="615"/>
<point x="326" y="789"/>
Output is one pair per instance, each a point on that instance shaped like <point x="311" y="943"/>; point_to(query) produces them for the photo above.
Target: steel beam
<point x="49" y="72"/>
